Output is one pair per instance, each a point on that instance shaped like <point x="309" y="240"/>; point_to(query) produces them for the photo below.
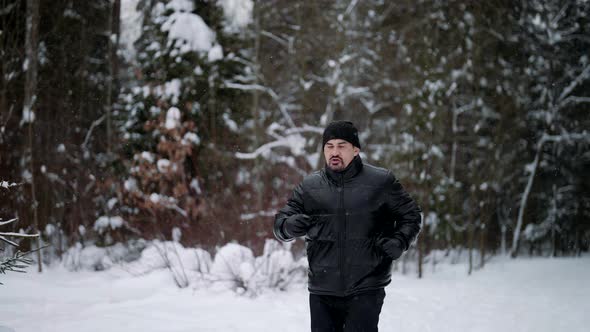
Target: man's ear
<point x="356" y="151"/>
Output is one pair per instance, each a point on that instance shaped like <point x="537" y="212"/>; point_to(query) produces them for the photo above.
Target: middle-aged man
<point x="357" y="219"/>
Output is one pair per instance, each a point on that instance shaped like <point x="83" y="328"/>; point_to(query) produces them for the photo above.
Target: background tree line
<point x="481" y="110"/>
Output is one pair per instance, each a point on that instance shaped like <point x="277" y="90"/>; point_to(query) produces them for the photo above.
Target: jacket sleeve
<point x="294" y="206"/>
<point x="406" y="214"/>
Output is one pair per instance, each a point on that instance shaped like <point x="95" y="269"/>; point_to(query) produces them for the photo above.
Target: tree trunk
<point x="31" y="59"/>
<point x="523" y="201"/>
<point x="113" y="31"/>
<point x="471" y="235"/>
<point x="211" y="104"/>
<point x="482" y="244"/>
<point x="258" y="126"/>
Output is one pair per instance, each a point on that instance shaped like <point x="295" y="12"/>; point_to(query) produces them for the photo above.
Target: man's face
<point x="339" y="153"/>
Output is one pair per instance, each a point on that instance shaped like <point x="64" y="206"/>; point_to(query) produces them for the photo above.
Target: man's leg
<point x="327" y="313"/>
<point x="363" y="311"/>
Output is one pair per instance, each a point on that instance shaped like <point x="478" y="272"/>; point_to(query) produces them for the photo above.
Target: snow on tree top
<point x="237" y="13"/>
<point x="190" y="31"/>
<point x="130" y="19"/>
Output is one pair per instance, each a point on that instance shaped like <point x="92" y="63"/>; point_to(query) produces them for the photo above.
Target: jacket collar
<point x="355" y="166"/>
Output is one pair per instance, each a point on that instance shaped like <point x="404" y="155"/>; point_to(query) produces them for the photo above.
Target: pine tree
<point x="178" y="120"/>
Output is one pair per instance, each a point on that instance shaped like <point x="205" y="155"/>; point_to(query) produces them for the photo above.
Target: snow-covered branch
<point x="18" y="234"/>
<point x="303" y="129"/>
<point x="573" y="100"/>
<point x="269" y="91"/>
<point x="275" y="38"/>
<point x="567" y="137"/>
<point x="249" y="216"/>
<point x="264" y="149"/>
<point x="585" y="74"/>
<point x="284" y="137"/>
<point x="6" y="184"/>
<point x="4" y="235"/>
<point x="2" y="223"/>
<point x="92" y="126"/>
<point x="166" y="202"/>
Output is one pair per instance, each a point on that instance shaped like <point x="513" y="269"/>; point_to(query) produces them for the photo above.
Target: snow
<point x="103" y="223"/>
<point x="163" y="165"/>
<point x="130" y="184"/>
<point x="87" y="258"/>
<point x="432" y="221"/>
<point x="172" y="90"/>
<point x="536" y="294"/>
<point x="28" y="116"/>
<point x="180" y="5"/>
<point x="189" y="32"/>
<point x="192" y="137"/>
<point x="215" y="53"/>
<point x="155" y="198"/>
<point x="6" y="184"/>
<point x="147" y="156"/>
<point x="176" y="234"/>
<point x="195" y="185"/>
<point x="112" y="202"/>
<point x="130" y="19"/>
<point x="228" y="258"/>
<point x="237" y="13"/>
<point x="172" y="118"/>
<point x="295" y="142"/>
<point x="50" y="229"/>
<point x="231" y="124"/>
<point x="436" y="151"/>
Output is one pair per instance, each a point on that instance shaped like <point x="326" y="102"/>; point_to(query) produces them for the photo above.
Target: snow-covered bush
<point x="86" y="258"/>
<point x="184" y="263"/>
<point x="236" y="267"/>
<point x="204" y="261"/>
<point x="96" y="258"/>
<point x="278" y="268"/>
<point x="110" y="229"/>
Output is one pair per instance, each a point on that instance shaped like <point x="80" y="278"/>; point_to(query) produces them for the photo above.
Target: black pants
<point x="357" y="313"/>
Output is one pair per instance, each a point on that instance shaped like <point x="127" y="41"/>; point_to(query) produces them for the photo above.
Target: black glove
<point x="393" y="248"/>
<point x="297" y="225"/>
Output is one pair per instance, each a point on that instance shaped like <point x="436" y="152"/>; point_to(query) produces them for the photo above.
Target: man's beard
<point x="338" y="166"/>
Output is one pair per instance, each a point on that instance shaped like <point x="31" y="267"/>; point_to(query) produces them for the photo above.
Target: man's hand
<point x="391" y="247"/>
<point x="297" y="225"/>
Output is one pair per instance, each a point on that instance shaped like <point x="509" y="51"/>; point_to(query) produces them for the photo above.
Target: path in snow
<point x="525" y="295"/>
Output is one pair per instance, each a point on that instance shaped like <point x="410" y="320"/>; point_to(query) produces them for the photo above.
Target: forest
<point x="191" y="121"/>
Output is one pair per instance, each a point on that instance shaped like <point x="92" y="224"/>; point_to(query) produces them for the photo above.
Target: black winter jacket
<point x="351" y="210"/>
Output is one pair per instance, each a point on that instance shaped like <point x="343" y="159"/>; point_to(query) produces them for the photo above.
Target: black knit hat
<point x="342" y="130"/>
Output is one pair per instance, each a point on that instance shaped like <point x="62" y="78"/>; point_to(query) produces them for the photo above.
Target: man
<point x="357" y="219"/>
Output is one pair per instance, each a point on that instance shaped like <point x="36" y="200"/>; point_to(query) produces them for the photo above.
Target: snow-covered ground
<point x="536" y="294"/>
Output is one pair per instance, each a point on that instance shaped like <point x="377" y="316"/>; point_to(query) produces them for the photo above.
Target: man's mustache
<point x="336" y="158"/>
